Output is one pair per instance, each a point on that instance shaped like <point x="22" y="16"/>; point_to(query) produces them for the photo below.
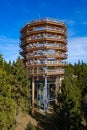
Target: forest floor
<point x="39" y="120"/>
<point x="23" y="119"/>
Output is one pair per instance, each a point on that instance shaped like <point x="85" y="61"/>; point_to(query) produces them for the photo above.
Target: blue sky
<point x="15" y="13"/>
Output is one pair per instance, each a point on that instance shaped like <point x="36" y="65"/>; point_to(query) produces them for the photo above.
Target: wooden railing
<point x="48" y="72"/>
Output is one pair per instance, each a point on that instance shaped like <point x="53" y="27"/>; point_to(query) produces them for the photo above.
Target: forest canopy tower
<point x="44" y="47"/>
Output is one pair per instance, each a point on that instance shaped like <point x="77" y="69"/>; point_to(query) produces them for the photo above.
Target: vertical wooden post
<point x="45" y="95"/>
<point x="57" y="88"/>
<point x="33" y="95"/>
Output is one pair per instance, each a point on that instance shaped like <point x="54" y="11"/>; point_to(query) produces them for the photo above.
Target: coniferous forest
<point x="14" y="92"/>
<point x="71" y="110"/>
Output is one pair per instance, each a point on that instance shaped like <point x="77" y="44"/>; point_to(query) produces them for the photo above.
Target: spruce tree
<point x="6" y="102"/>
<point x="21" y="84"/>
<point x="69" y="102"/>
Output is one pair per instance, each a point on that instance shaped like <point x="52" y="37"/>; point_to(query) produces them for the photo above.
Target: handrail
<point x="59" y="55"/>
<point x="50" y="54"/>
<point x="48" y="19"/>
<point x="43" y="19"/>
<point x="47" y="63"/>
<point x="47" y="71"/>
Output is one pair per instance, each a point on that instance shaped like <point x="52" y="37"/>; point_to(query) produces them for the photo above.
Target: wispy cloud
<point x="84" y="23"/>
<point x="77" y="49"/>
<point x="70" y="27"/>
<point x="71" y="32"/>
<point x="70" y="22"/>
<point x="9" y="48"/>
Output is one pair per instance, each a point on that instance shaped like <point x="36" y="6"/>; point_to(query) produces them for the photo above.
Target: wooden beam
<point x="33" y="87"/>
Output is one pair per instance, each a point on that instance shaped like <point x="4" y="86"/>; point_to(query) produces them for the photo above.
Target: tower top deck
<point x="40" y="22"/>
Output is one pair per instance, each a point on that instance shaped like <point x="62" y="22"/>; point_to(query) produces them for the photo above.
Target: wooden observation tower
<point x="44" y="47"/>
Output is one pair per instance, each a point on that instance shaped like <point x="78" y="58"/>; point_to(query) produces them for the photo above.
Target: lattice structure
<point x="44" y="46"/>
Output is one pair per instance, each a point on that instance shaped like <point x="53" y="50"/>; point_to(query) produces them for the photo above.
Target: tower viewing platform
<point x="44" y="50"/>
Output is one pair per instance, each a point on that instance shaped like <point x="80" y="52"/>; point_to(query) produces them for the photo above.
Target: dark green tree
<point x="1" y="61"/>
<point x="21" y="83"/>
<point x="69" y="103"/>
<point x="6" y="103"/>
<point x="14" y="92"/>
<point x="81" y="72"/>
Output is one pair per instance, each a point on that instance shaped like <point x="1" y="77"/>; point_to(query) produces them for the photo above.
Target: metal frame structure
<point x="44" y="47"/>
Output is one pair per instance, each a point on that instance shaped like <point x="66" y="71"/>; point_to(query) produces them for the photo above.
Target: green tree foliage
<point x="1" y="62"/>
<point x="20" y="84"/>
<point x="71" y="110"/>
<point x="81" y="72"/>
<point x="14" y="92"/>
<point x="8" y="67"/>
<point x="6" y="102"/>
<point x="5" y="66"/>
<point x="72" y="103"/>
<point x="30" y="127"/>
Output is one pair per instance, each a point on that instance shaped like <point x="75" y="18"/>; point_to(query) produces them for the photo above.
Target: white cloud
<point x="77" y="49"/>
<point x="9" y="48"/>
